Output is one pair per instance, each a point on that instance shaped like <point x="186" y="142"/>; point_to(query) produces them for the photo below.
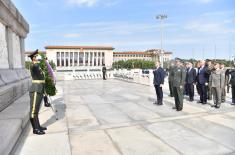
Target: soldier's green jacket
<point x="171" y="73"/>
<point x="37" y="74"/>
<point x="179" y="76"/>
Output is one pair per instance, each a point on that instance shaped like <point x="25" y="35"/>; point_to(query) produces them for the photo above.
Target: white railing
<point x="135" y="75"/>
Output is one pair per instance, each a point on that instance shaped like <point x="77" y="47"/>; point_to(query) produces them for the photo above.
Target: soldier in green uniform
<point x="170" y="78"/>
<point x="208" y="68"/>
<point x="36" y="92"/>
<point x="179" y="75"/>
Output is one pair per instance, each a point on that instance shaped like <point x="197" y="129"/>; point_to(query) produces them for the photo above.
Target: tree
<point x="134" y="63"/>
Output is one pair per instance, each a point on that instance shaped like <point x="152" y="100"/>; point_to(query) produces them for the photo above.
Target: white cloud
<point x="72" y="35"/>
<point x="215" y="27"/>
<point x="88" y="3"/>
<point x="205" y="1"/>
<point x="111" y="3"/>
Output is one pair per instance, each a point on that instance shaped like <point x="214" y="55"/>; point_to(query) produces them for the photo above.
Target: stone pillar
<point x="73" y="58"/>
<point x="100" y="58"/>
<point x="93" y="58"/>
<point x="10" y="47"/>
<point x="4" y="58"/>
<point x="84" y="54"/>
<point x="97" y="56"/>
<point x="22" y="48"/>
<point x="68" y="59"/>
<point x="88" y="59"/>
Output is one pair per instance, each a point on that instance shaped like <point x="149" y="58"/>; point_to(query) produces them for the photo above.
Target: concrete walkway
<point x="118" y="118"/>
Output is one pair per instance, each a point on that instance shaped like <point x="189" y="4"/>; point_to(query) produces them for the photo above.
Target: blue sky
<point x="192" y="26"/>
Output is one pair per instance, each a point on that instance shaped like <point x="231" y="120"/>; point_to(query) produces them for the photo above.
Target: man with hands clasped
<point x="158" y="81"/>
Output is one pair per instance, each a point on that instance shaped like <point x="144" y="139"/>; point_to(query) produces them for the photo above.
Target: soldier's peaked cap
<point x="33" y="54"/>
<point x="178" y="59"/>
<point x="208" y="60"/>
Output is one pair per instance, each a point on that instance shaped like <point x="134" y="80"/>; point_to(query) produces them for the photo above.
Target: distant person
<point x="232" y="83"/>
<point x="227" y="79"/>
<point x="202" y="82"/>
<point x="185" y="65"/>
<point x="158" y="81"/>
<point x="190" y="80"/>
<point x="104" y="72"/>
<point x="178" y="84"/>
<point x="208" y="68"/>
<point x="170" y="78"/>
<point x="216" y="84"/>
<point x="224" y="84"/>
<point x="197" y="68"/>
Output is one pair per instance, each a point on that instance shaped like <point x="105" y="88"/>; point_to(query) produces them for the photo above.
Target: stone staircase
<point x="14" y="107"/>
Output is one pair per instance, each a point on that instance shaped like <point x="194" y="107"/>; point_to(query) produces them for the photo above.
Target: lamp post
<point x="161" y="17"/>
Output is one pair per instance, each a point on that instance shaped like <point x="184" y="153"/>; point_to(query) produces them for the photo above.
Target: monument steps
<point x="13" y="120"/>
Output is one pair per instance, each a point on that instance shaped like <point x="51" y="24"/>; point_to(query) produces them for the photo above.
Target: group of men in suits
<point x="209" y="78"/>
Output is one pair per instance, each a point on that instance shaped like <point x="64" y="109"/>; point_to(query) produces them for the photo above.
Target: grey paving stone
<point x="219" y="133"/>
<point x="100" y="142"/>
<point x="185" y="140"/>
<point x="135" y="111"/>
<point x="137" y="141"/>
<point x="108" y="114"/>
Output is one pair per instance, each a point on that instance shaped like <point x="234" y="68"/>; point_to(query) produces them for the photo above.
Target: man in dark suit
<point x="232" y="83"/>
<point x="190" y="80"/>
<point x="158" y="81"/>
<point x="178" y="84"/>
<point x="202" y="82"/>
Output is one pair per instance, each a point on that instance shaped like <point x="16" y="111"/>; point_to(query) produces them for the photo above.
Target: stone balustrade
<point x="135" y="75"/>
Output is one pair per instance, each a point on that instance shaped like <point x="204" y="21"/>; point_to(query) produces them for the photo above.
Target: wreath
<point x="50" y="88"/>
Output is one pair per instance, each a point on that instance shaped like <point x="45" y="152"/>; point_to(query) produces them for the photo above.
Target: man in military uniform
<point x="225" y="79"/>
<point x="170" y="78"/>
<point x="216" y="83"/>
<point x="178" y="84"/>
<point x="208" y="69"/>
<point x="36" y="92"/>
<point x="104" y="72"/>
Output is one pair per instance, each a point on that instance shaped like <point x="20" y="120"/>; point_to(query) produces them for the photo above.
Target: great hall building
<point x="87" y="61"/>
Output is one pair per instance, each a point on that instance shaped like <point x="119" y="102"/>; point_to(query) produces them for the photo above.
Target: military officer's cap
<point x="178" y="59"/>
<point x="33" y="54"/>
<point x="207" y="60"/>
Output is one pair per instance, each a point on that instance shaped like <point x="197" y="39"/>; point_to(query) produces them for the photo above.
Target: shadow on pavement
<point x="61" y="108"/>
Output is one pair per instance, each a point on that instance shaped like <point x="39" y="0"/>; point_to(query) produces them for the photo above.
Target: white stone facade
<point x="17" y="51"/>
<point x="80" y="62"/>
<point x="3" y="48"/>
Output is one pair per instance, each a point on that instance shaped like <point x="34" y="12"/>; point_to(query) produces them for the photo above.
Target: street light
<point x="161" y="17"/>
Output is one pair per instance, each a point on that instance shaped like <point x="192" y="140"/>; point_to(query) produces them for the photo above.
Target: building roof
<point x="131" y="52"/>
<point x="148" y="52"/>
<point x="29" y="52"/>
<point x="80" y="47"/>
<point x="159" y="51"/>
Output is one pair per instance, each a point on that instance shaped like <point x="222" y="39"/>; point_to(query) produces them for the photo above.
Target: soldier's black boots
<point x="46" y="103"/>
<point x="36" y="130"/>
<point x="40" y="127"/>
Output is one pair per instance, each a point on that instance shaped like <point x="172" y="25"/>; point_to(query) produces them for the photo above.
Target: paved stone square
<point x="118" y="118"/>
